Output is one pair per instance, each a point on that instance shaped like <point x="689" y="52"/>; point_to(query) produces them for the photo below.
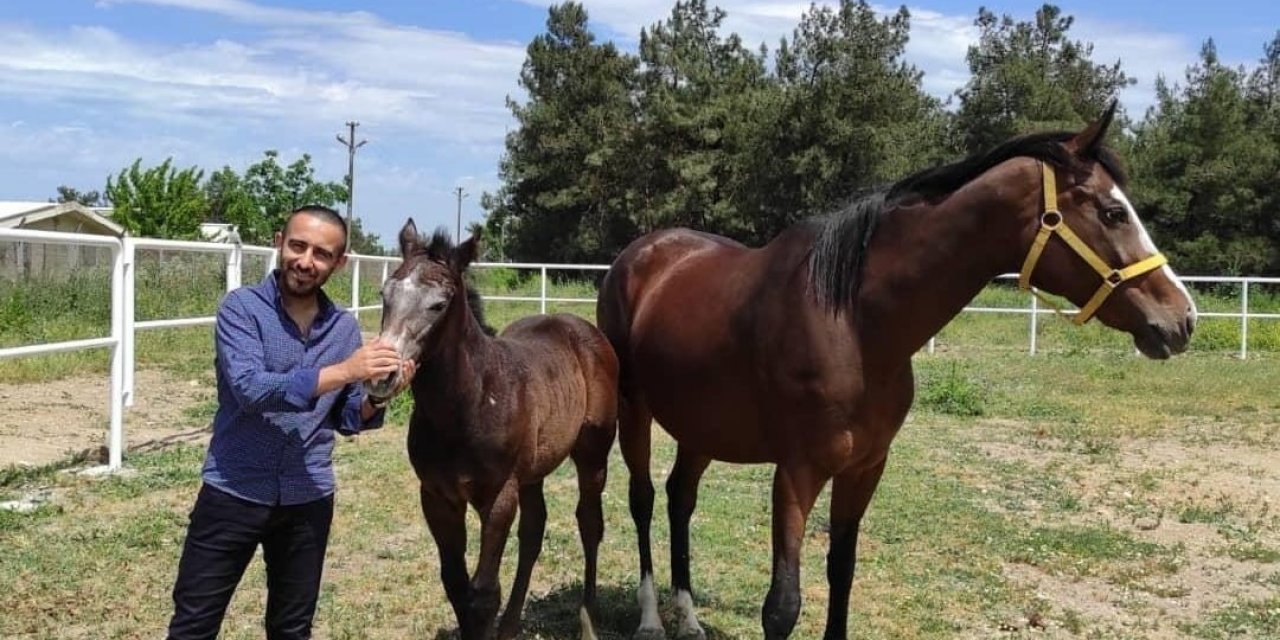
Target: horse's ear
<point x="408" y="238"/>
<point x="1087" y="142"/>
<point x="465" y="253"/>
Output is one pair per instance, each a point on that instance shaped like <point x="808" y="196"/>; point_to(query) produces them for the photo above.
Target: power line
<point x="351" y="144"/>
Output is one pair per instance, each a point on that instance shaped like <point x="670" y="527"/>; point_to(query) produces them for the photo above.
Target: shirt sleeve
<point x="241" y="356"/>
<point x="353" y="399"/>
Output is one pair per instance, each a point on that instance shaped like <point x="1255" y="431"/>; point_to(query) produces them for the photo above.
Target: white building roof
<point x="18" y="214"/>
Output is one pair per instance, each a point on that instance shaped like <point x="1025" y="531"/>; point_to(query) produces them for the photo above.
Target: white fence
<point x="124" y="326"/>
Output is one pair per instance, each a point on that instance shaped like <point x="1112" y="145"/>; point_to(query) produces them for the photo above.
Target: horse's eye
<point x="1114" y="216"/>
<point x="437" y="307"/>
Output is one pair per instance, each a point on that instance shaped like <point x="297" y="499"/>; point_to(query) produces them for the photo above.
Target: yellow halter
<point x="1051" y="222"/>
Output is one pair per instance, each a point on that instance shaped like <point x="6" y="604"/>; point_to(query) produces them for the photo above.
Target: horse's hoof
<point x="695" y="633"/>
<point x="649" y="634"/>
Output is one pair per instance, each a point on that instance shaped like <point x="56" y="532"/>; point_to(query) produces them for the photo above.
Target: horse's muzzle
<point x="1160" y="343"/>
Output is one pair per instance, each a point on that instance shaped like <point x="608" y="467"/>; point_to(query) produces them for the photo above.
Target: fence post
<point x="1035" y="321"/>
<point x="234" y="258"/>
<point x="115" y="435"/>
<point x="127" y="301"/>
<point x="355" y="286"/>
<point x="544" y="290"/>
<point x="1244" y="318"/>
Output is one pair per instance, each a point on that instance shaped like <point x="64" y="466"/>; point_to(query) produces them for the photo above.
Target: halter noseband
<point x="1051" y="222"/>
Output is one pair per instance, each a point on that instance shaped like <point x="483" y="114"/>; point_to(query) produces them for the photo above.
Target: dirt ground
<point x="47" y="422"/>
<point x="1237" y="483"/>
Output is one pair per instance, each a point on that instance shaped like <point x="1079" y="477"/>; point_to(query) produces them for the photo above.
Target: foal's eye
<point x="437" y="307"/>
<point x="1114" y="216"/>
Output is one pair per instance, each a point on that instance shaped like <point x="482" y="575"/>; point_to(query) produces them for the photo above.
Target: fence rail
<point x="125" y="326"/>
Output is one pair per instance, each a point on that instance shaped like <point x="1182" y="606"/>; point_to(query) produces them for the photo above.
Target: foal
<point x="492" y="417"/>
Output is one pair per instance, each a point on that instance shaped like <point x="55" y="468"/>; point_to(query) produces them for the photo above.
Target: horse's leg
<point x="591" y="457"/>
<point x="634" y="425"/>
<point x="795" y="489"/>
<point x="533" y="522"/>
<point x="495" y="526"/>
<point x="850" y="494"/>
<point x="682" y="497"/>
<point x="448" y="525"/>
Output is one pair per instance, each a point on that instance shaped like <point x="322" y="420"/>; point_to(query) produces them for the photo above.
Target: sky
<point x="88" y="86"/>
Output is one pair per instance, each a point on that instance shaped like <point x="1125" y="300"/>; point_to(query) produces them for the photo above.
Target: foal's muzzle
<point x="380" y="390"/>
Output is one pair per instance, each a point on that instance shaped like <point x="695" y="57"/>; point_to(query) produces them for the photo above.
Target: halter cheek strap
<point x="1051" y="223"/>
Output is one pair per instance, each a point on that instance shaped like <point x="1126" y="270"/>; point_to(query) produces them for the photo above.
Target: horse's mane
<point x="835" y="264"/>
<point x="439" y="247"/>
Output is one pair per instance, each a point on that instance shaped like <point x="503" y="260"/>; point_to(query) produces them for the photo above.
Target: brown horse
<point x="491" y="418"/>
<point x="799" y="353"/>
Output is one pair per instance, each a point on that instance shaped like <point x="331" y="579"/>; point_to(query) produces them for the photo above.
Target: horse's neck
<point x="926" y="263"/>
<point x="453" y="372"/>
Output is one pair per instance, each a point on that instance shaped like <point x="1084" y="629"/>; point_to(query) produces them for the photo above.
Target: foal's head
<point x="424" y="293"/>
<point x="1084" y="241"/>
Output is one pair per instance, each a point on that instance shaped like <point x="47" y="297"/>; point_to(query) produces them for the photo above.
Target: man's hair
<point x="324" y="213"/>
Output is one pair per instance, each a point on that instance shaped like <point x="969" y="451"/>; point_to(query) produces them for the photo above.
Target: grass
<point x="947" y="523"/>
<point x="1014" y="476"/>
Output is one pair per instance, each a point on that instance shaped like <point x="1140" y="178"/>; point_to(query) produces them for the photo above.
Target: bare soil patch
<point x="43" y="423"/>
<point x="1200" y="499"/>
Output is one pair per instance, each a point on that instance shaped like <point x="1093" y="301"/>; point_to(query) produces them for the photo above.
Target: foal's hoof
<point x="695" y="633"/>
<point x="649" y="634"/>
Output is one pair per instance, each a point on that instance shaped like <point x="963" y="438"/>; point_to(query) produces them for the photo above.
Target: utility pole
<point x="350" y="142"/>
<point x="461" y="195"/>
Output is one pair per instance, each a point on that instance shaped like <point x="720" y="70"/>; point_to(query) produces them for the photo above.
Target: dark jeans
<point x="222" y="537"/>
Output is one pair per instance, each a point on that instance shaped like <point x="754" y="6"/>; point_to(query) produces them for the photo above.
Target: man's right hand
<point x="377" y="359"/>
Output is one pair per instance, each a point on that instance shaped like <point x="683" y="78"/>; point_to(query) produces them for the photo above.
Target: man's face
<point x="310" y="249"/>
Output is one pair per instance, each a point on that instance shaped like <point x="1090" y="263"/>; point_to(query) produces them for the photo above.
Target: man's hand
<point x="375" y="360"/>
<point x="407" y="369"/>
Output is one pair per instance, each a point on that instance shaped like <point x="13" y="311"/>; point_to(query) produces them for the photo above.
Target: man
<point x="290" y="368"/>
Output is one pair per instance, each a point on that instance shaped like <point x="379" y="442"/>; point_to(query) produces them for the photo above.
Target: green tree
<point x="855" y="114"/>
<point x="230" y="202"/>
<point x="1030" y="76"/>
<point x="275" y="190"/>
<point x="158" y="202"/>
<point x="1207" y="170"/>
<point x="363" y="242"/>
<point x="560" y="199"/>
<point x="71" y="194"/>
<point x="697" y="93"/>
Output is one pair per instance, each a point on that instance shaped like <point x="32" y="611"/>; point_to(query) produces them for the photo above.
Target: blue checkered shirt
<point x="272" y="441"/>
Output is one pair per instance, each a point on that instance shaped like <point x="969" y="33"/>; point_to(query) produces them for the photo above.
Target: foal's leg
<point x="591" y="457"/>
<point x="495" y="526"/>
<point x="682" y="497"/>
<point x="448" y="525"/>
<point x="850" y="495"/>
<point x="533" y="522"/>
<point x="634" y="425"/>
<point x="795" y="489"/>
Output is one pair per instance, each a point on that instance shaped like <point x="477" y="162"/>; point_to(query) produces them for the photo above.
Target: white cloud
<point x="444" y="85"/>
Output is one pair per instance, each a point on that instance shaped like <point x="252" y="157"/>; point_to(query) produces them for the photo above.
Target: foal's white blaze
<point x="588" y="631"/>
<point x="688" y="620"/>
<point x="649" y="618"/>
<point x="1150" y="246"/>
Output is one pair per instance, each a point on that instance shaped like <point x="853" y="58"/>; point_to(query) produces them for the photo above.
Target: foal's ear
<point x="408" y="238"/>
<point x="1086" y="143"/>
<point x="464" y="254"/>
